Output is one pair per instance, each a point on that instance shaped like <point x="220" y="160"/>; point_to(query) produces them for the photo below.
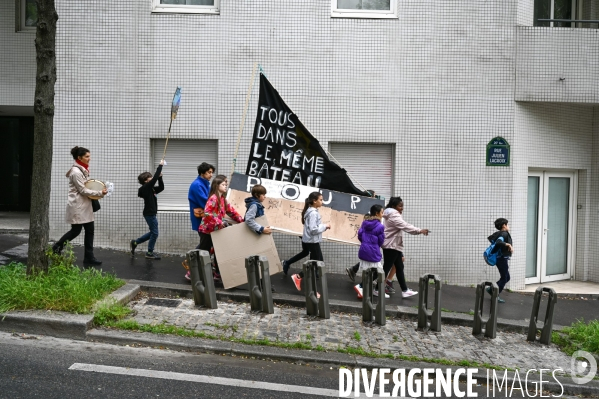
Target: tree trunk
<point x="45" y="47"/>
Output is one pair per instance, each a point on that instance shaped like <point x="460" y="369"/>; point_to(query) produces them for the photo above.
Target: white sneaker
<point x="408" y="293"/>
<point x="376" y="293"/>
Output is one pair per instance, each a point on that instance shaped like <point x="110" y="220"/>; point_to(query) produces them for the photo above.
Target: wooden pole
<point x="167" y="135"/>
<point x="245" y="110"/>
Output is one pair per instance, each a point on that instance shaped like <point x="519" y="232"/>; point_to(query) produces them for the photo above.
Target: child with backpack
<point x="255" y="209"/>
<point x="371" y="236"/>
<point x="148" y="192"/>
<point x="503" y="247"/>
<point x="312" y="237"/>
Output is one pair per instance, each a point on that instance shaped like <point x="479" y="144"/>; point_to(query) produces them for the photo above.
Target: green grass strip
<point x="164" y="328"/>
<point x="65" y="287"/>
<point x="579" y="336"/>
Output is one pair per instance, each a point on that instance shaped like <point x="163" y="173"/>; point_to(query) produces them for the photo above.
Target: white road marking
<point x="206" y="379"/>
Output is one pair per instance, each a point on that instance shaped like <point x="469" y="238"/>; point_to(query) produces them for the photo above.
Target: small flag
<point x="176" y="102"/>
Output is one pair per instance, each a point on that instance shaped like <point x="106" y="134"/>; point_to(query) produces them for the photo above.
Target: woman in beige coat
<point x="79" y="206"/>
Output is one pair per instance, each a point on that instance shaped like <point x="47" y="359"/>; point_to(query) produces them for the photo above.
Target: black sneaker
<point x="152" y="255"/>
<point x="351" y="274"/>
<point x="285" y="267"/>
<point x="56" y="249"/>
<point x="92" y="262"/>
<point x="133" y="246"/>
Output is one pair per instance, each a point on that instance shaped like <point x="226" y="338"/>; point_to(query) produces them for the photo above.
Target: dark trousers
<point x="74" y="233"/>
<point x="312" y="248"/>
<point x="504" y="273"/>
<point x="392" y="257"/>
<point x="152" y="235"/>
<point x="206" y="245"/>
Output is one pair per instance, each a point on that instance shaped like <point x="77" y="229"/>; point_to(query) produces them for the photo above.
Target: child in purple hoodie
<point x="371" y="236"/>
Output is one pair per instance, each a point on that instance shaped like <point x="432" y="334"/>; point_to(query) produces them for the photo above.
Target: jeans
<point x="74" y="233"/>
<point x="313" y="249"/>
<point x="152" y="235"/>
<point x="504" y="273"/>
<point x="392" y="257"/>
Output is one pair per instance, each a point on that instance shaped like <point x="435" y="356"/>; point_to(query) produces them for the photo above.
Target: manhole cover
<point x="168" y="303"/>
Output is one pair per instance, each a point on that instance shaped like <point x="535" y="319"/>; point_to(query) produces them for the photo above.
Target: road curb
<point x="402" y="312"/>
<point x="44" y="322"/>
<point x="60" y="324"/>
<point x="117" y="337"/>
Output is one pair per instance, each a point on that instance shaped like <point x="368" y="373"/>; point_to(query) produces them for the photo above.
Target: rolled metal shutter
<point x="182" y="160"/>
<point x="370" y="166"/>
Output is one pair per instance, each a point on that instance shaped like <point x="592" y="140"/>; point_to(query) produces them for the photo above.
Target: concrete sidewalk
<point x="457" y="299"/>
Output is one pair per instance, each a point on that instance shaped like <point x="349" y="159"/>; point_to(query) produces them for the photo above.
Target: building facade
<point x="405" y="94"/>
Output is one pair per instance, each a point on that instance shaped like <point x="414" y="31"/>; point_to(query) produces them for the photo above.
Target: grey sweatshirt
<point x="313" y="226"/>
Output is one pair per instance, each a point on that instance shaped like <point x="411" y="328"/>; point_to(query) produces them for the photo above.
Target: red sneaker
<point x="358" y="290"/>
<point x="297" y="280"/>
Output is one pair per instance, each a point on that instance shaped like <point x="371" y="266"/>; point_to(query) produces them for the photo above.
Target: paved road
<point x="58" y="368"/>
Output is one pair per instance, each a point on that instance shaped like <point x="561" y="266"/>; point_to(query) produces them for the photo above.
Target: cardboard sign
<point x="235" y="243"/>
<point x="285" y="201"/>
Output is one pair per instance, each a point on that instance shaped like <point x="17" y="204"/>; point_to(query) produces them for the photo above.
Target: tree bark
<point x="45" y="47"/>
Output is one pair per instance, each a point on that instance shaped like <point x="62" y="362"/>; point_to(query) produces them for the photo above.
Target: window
<point x="26" y="17"/>
<point x="187" y="6"/>
<point x="364" y="8"/>
<point x="566" y="13"/>
<point x="370" y="166"/>
<point x="182" y="158"/>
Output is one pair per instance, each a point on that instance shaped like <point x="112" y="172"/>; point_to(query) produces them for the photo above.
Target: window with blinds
<point x="182" y="160"/>
<point x="370" y="166"/>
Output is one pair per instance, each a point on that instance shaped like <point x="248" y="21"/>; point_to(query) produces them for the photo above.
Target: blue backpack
<point x="491" y="253"/>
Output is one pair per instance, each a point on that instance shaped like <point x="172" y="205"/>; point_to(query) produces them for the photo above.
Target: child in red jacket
<point x="216" y="209"/>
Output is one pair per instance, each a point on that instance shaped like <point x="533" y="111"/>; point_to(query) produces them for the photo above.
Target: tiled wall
<point x="554" y="137"/>
<point x="557" y="65"/>
<point x="17" y="60"/>
<point x="438" y="81"/>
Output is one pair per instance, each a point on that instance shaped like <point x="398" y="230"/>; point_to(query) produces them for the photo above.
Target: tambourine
<point x="95" y="185"/>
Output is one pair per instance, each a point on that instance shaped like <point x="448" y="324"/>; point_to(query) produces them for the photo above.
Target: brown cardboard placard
<point x="235" y="243"/>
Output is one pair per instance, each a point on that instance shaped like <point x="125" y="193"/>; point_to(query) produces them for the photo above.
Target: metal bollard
<point x="423" y="311"/>
<point x="368" y="309"/>
<point x="380" y="317"/>
<point x="491" y="323"/>
<point x="547" y="324"/>
<point x="367" y="296"/>
<point x="315" y="306"/>
<point x="202" y="283"/>
<point x="259" y="287"/>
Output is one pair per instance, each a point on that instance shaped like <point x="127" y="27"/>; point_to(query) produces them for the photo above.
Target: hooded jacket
<point x="394" y="228"/>
<point x="507" y="239"/>
<point x="371" y="236"/>
<point x="79" y="206"/>
<point x="313" y="226"/>
<point x="254" y="209"/>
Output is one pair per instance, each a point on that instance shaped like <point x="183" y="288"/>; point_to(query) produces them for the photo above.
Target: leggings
<point x="312" y="248"/>
<point x="392" y="257"/>
<point x="73" y="233"/>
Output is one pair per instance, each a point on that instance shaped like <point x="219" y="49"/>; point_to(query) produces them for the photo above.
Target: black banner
<point x="284" y="150"/>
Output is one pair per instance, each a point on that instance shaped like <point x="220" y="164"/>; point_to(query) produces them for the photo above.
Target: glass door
<point x="550" y="226"/>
